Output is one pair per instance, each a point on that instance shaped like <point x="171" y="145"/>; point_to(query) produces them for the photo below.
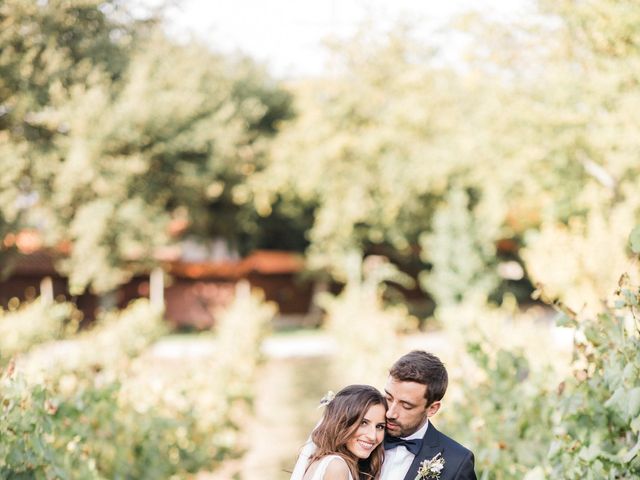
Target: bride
<point x="347" y="444"/>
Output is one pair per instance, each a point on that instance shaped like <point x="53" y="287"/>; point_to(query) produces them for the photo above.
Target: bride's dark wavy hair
<point x="341" y="419"/>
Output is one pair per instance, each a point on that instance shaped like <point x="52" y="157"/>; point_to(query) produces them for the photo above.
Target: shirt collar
<point x="419" y="433"/>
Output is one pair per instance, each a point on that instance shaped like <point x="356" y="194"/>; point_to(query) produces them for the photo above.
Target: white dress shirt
<point x="397" y="461"/>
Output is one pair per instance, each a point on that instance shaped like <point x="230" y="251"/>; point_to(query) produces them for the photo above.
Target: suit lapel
<point x="430" y="448"/>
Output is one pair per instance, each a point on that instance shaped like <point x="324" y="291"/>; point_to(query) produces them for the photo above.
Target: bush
<point x="28" y="429"/>
<point x="240" y="331"/>
<point x="93" y="434"/>
<point x="64" y="413"/>
<point x="366" y="330"/>
<point x="505" y="417"/>
<point x="210" y="398"/>
<point x="597" y="432"/>
<point x="522" y="424"/>
<point x="107" y="347"/>
<point x="102" y="412"/>
<point x="35" y="323"/>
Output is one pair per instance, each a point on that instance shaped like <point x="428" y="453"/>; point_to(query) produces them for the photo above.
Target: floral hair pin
<point x="326" y="400"/>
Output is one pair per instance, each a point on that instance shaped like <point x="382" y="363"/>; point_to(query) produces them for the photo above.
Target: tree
<point x="47" y="48"/>
<point x="536" y="122"/>
<point x="461" y="252"/>
<point x="173" y="132"/>
<point x="369" y="151"/>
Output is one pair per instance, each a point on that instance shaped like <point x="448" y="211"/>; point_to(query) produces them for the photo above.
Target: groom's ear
<point x="433" y="408"/>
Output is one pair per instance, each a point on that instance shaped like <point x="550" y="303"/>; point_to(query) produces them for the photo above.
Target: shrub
<point x="34" y="323"/>
<point x="28" y="428"/>
<point x="93" y="434"/>
<point x="240" y="331"/>
<point x="366" y="330"/>
<point x="107" y="347"/>
<point x="505" y="416"/>
<point x="210" y="398"/>
<point x="597" y="431"/>
<point x="522" y="424"/>
<point x="100" y="412"/>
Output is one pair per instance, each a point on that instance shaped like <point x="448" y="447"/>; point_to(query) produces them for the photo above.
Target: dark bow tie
<point x="412" y="445"/>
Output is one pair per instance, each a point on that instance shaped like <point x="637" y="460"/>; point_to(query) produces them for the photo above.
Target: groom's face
<point x="408" y="410"/>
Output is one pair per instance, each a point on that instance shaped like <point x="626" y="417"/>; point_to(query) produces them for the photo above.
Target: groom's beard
<point x="396" y="429"/>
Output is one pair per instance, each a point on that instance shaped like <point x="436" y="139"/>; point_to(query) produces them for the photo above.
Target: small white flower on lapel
<point x="431" y="468"/>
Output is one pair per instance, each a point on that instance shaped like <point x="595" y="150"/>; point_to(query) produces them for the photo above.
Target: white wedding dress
<point x="323" y="464"/>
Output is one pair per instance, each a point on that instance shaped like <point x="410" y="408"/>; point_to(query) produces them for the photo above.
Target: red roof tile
<point x="266" y="262"/>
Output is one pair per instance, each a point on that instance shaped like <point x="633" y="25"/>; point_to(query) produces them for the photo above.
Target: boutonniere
<point x="431" y="468"/>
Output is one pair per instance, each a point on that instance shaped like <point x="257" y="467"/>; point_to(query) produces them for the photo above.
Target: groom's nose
<point x="392" y="412"/>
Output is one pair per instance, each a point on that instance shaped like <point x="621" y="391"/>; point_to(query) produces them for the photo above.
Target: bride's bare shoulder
<point x="337" y="470"/>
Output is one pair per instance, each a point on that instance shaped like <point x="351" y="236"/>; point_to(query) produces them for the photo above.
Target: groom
<point x="416" y="384"/>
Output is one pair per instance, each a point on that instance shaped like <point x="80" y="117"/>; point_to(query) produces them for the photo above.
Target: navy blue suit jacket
<point x="458" y="460"/>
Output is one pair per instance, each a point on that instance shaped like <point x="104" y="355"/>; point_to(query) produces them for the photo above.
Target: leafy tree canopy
<point x="123" y="131"/>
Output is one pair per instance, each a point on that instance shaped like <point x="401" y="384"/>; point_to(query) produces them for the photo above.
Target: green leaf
<point x="635" y="425"/>
<point x="564" y="320"/>
<point x="631" y="454"/>
<point x="633" y="407"/>
<point x="590" y="453"/>
<point x="617" y="401"/>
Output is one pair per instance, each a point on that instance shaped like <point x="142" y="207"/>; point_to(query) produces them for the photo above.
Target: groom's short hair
<point x="424" y="368"/>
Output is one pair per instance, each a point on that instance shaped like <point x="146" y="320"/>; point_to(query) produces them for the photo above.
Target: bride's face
<point x="369" y="434"/>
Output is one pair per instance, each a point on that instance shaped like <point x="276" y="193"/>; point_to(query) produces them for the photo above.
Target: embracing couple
<point x="365" y="434"/>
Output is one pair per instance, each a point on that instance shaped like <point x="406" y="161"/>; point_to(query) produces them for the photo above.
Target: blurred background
<point x="213" y="213"/>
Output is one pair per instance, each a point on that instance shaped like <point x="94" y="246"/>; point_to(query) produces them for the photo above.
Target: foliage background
<point x="511" y="167"/>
